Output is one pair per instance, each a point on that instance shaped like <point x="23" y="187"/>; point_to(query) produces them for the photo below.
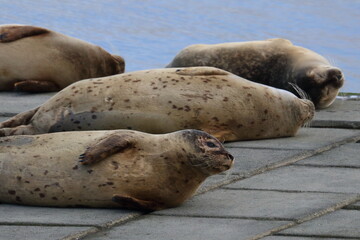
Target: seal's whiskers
<point x="302" y="93"/>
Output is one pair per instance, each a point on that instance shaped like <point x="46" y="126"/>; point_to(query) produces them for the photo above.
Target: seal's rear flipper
<point x="19" y="119"/>
<point x="9" y="33"/>
<point x="201" y="71"/>
<point x="19" y="130"/>
<point x="105" y="148"/>
<point x="133" y="203"/>
<point x="36" y="86"/>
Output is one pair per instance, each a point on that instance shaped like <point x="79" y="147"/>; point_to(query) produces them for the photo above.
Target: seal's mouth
<point x="225" y="164"/>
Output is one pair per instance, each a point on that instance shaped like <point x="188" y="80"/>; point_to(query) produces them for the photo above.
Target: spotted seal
<point x="119" y="168"/>
<point x="166" y="100"/>
<point x="34" y="59"/>
<point x="274" y="62"/>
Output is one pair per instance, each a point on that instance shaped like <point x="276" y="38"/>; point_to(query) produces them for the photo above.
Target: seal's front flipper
<point x="105" y="148"/>
<point x="36" y="86"/>
<point x="9" y="33"/>
<point x="201" y="71"/>
<point x="137" y="204"/>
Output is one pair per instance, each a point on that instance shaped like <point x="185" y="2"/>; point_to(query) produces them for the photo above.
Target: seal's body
<point x="34" y="59"/>
<point x="117" y="168"/>
<point x="274" y="62"/>
<point x="166" y="100"/>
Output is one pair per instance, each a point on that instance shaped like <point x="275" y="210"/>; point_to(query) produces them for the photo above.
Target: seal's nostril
<point x="231" y="157"/>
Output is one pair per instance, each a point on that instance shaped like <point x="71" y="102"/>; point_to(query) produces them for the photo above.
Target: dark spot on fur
<point x="266" y="111"/>
<point x="12" y="192"/>
<point x="18" y="178"/>
<point x="54" y="198"/>
<point x="226" y="99"/>
<point x="249" y="95"/>
<point x="41" y="195"/>
<point x="77" y="122"/>
<point x="93" y="116"/>
<point x="90" y="171"/>
<point x="27" y="181"/>
<point x="46" y="172"/>
<point x="18" y="199"/>
<point x="109" y="183"/>
<point x="215" y="119"/>
<point x="115" y="164"/>
<point x="75" y="167"/>
<point x="36" y="189"/>
<point x="93" y="109"/>
<point x="127" y="100"/>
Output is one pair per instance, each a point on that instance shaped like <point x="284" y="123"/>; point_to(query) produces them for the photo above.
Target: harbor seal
<point x="166" y="100"/>
<point x="119" y="168"/>
<point x="274" y="62"/>
<point x="34" y="59"/>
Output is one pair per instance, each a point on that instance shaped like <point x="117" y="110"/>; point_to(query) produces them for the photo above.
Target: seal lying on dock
<point x="34" y="59"/>
<point x="274" y="62"/>
<point x="166" y="100"/>
<point x="120" y="168"/>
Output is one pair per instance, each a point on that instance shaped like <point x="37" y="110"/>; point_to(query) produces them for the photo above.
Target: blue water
<point x="148" y="34"/>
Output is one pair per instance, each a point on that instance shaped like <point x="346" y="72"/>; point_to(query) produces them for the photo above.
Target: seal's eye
<point x="211" y="144"/>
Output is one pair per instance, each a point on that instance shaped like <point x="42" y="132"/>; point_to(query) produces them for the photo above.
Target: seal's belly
<point x="150" y="122"/>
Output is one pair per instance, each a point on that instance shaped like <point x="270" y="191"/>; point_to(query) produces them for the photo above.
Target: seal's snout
<point x="231" y="157"/>
<point x="335" y="77"/>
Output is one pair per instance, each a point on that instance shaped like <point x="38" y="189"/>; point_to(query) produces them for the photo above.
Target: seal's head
<point x="120" y="63"/>
<point x="307" y="112"/>
<point x="206" y="152"/>
<point x="321" y="82"/>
